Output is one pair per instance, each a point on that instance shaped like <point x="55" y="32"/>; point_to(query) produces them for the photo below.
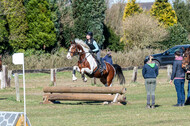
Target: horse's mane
<point x="82" y="43"/>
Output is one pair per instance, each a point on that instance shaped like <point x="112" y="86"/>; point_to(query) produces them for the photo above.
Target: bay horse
<point x="87" y="64"/>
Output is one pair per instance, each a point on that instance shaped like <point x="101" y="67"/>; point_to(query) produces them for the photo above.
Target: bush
<point x="41" y="60"/>
<point x="142" y="31"/>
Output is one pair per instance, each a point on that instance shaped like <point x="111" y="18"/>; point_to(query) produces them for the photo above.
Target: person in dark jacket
<point x="150" y="72"/>
<point x="108" y="58"/>
<point x="178" y="75"/>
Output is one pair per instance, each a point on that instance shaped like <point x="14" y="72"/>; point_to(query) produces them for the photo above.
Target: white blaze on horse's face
<point x="69" y="53"/>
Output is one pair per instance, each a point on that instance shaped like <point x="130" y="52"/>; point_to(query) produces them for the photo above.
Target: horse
<point x="88" y="65"/>
<point x="186" y="60"/>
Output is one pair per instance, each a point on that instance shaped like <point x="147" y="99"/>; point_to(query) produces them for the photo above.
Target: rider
<point x="93" y="47"/>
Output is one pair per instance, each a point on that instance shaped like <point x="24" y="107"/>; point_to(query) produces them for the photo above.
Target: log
<point x="82" y="97"/>
<point x="96" y="90"/>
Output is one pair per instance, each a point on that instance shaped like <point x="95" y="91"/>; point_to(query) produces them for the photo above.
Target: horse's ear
<point x="72" y="41"/>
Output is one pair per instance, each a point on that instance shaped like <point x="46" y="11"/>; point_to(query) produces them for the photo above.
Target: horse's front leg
<point x="87" y="70"/>
<point x="74" y="78"/>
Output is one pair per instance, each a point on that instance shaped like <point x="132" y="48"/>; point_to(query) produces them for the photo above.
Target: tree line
<point x="46" y="25"/>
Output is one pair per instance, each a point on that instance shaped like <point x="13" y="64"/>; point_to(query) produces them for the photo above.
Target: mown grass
<point x="77" y="113"/>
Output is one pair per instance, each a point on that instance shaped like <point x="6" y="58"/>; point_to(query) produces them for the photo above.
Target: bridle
<point x="76" y="52"/>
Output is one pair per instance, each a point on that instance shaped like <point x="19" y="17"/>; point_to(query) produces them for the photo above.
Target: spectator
<point x="108" y="58"/>
<point x="178" y="75"/>
<point x="150" y="72"/>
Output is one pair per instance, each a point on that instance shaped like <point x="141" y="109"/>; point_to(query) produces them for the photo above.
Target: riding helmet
<point x="90" y="34"/>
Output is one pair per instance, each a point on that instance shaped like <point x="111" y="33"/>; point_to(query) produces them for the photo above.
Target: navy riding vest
<point x="92" y="47"/>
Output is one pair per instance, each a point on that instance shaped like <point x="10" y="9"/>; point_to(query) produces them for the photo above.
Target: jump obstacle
<point x="109" y="94"/>
<point x="13" y="119"/>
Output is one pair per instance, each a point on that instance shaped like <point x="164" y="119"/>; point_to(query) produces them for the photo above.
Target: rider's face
<point x="88" y="37"/>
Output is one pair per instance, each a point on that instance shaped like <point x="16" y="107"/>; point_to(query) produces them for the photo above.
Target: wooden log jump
<point x="109" y="94"/>
<point x="96" y="90"/>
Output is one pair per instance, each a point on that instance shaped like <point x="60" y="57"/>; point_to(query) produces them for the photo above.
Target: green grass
<point x="77" y="113"/>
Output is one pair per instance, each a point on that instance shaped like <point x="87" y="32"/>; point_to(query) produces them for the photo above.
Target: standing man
<point x="150" y="72"/>
<point x="178" y="75"/>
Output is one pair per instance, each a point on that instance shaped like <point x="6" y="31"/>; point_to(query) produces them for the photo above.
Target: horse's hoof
<point x="75" y="79"/>
<point x="105" y="103"/>
<point x="85" y="80"/>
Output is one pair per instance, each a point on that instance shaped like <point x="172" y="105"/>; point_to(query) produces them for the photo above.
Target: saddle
<point x="101" y="64"/>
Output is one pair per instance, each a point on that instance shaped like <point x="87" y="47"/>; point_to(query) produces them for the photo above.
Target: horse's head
<point x="72" y="50"/>
<point x="186" y="59"/>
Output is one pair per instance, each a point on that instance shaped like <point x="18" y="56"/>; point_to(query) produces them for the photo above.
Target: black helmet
<point x="90" y="34"/>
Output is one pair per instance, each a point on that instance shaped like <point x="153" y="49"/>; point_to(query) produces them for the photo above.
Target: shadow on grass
<point x="79" y="103"/>
<point x="3" y="98"/>
<point x="156" y="106"/>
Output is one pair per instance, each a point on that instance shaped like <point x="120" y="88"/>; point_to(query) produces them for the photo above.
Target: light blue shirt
<point x="96" y="46"/>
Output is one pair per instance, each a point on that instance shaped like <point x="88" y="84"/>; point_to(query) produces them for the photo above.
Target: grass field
<point x="94" y="113"/>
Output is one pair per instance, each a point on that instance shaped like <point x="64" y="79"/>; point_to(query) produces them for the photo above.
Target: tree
<point x="163" y="11"/>
<point x="182" y="10"/>
<point x="3" y="30"/>
<point x="131" y="8"/>
<point x="41" y="32"/>
<point x="114" y="16"/>
<point x="66" y="23"/>
<point x="55" y="17"/>
<point x="142" y="31"/>
<point x="17" y="23"/>
<point x="89" y="15"/>
<point x="177" y="35"/>
<point x="112" y="40"/>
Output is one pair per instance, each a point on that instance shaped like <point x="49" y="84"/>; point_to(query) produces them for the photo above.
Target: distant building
<point x="146" y="5"/>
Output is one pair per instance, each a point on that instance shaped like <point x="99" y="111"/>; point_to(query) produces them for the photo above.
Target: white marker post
<point x="18" y="59"/>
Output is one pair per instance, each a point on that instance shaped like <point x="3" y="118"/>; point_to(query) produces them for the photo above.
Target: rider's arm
<point x="96" y="46"/>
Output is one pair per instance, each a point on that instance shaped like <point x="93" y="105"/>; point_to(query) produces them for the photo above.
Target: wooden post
<point x="53" y="76"/>
<point x="9" y="78"/>
<point x="4" y="77"/>
<point x="17" y="87"/>
<point x="169" y="71"/>
<point x="134" y="77"/>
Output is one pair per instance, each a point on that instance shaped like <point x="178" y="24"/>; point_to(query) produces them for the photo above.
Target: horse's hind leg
<point x="103" y="80"/>
<point x="84" y="78"/>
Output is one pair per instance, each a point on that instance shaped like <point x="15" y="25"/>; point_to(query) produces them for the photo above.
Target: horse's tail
<point x="119" y="73"/>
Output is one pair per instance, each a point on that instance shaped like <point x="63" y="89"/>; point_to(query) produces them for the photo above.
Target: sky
<point x="140" y="1"/>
